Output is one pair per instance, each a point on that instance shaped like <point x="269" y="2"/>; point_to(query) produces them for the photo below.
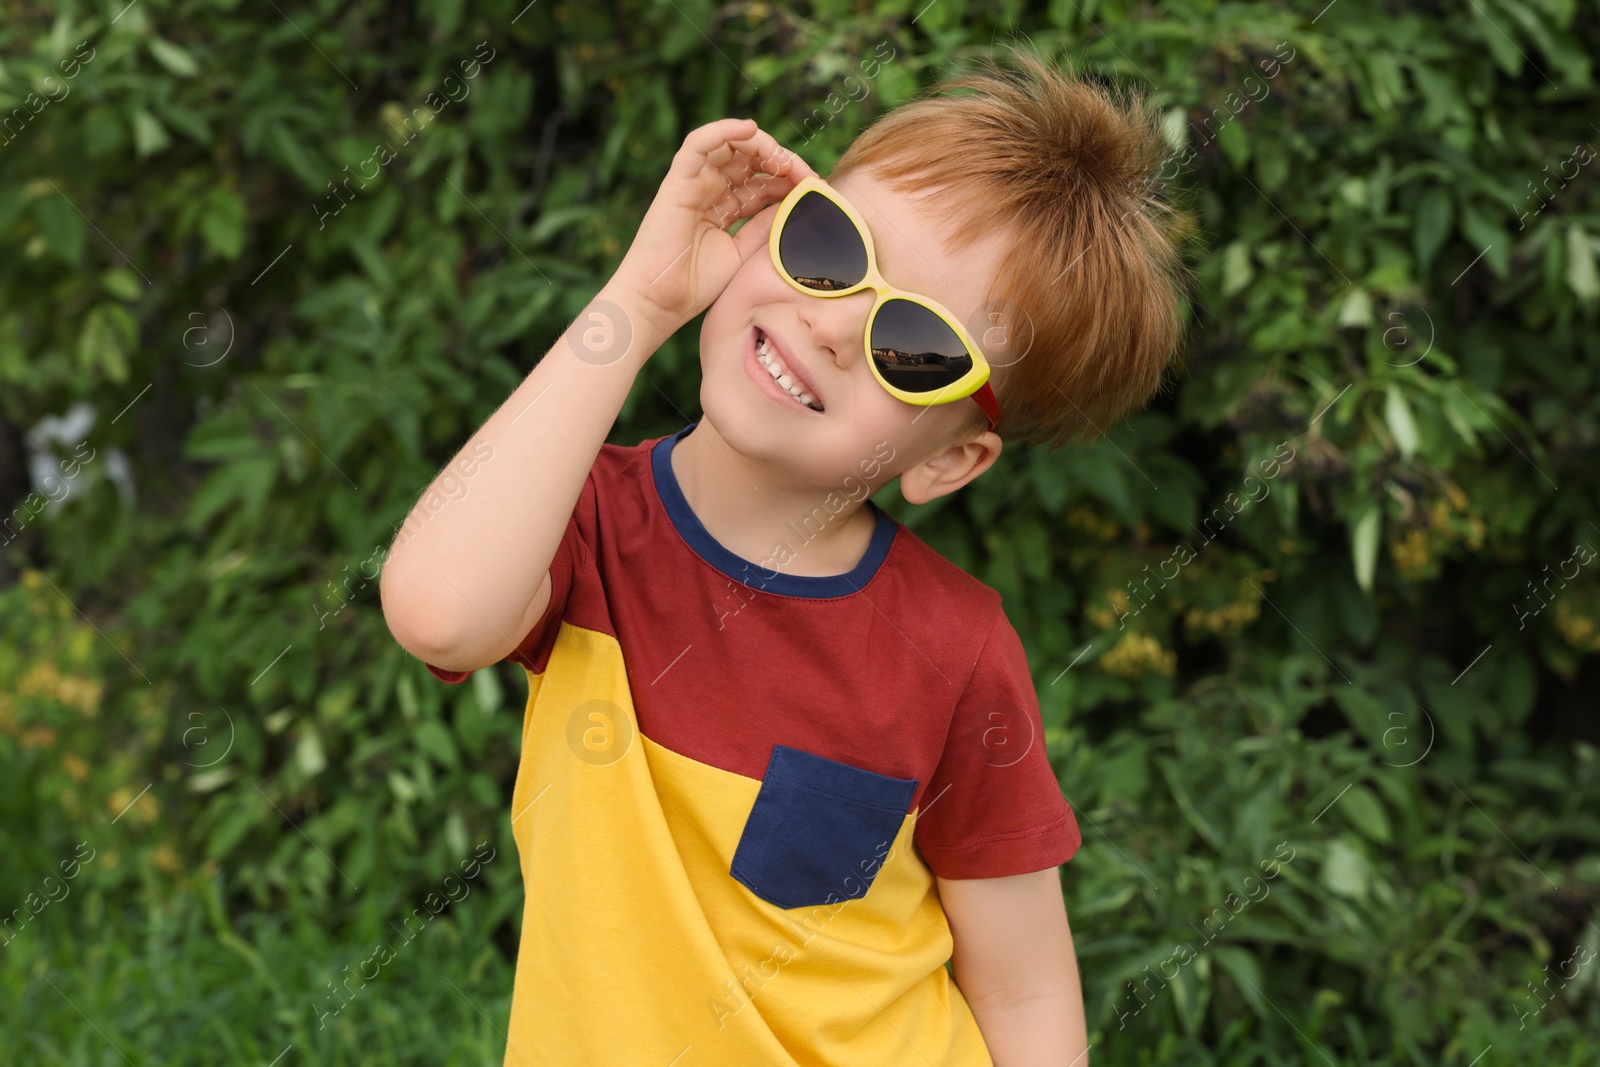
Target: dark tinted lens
<point x="915" y="349"/>
<point x="819" y="246"/>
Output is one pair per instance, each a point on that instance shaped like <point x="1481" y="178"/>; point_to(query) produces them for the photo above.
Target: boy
<point x="781" y="761"/>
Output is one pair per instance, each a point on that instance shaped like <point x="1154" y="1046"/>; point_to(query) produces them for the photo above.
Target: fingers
<point x="730" y="207"/>
<point x="702" y="141"/>
<point x="763" y="173"/>
<point x="743" y="199"/>
<point x="716" y="143"/>
<point x="771" y="157"/>
<point x="753" y="235"/>
<point x="736" y="168"/>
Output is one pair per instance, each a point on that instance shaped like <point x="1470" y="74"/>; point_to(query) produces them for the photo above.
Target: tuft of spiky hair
<point x="1067" y="167"/>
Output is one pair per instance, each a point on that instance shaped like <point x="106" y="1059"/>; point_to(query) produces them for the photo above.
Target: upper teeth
<point x="775" y="367"/>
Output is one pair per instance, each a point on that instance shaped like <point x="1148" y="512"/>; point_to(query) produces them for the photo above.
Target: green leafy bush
<point x="1382" y="654"/>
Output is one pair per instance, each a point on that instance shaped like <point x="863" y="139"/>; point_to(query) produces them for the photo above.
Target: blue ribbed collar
<point x="754" y="575"/>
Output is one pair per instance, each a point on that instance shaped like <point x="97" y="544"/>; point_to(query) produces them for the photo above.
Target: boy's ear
<point x="949" y="470"/>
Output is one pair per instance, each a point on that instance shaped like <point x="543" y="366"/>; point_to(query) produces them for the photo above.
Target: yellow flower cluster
<point x="150" y="701"/>
<point x="43" y="604"/>
<point x="145" y="811"/>
<point x="44" y="679"/>
<point x="1231" y="619"/>
<point x="1579" y="631"/>
<point x="1083" y="517"/>
<point x="75" y="766"/>
<point x="1103" y="617"/>
<point x="1411" y="553"/>
<point x="1138" y="654"/>
<point x="1418" y="551"/>
<point x="37" y="737"/>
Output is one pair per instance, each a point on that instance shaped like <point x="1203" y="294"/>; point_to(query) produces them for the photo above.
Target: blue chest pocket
<point x="818" y="830"/>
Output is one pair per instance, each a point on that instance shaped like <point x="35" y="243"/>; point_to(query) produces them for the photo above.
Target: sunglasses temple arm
<point x="991" y="407"/>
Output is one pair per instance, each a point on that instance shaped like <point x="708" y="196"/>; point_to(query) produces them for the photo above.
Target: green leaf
<point x="222" y="224"/>
<point x="1346" y="871"/>
<point x="186" y="121"/>
<point x="1505" y="51"/>
<point x="402" y="788"/>
<point x="209" y="781"/>
<point x="61" y="227"/>
<point x="1235" y="143"/>
<point x="446" y="16"/>
<point x="1236" y="269"/>
<point x="1174" y="128"/>
<point x="1487" y="239"/>
<point x="763" y="69"/>
<point x="1365" y="811"/>
<point x="436" y="741"/>
<point x="1518" y="686"/>
<point x="1356" y="309"/>
<point x="308" y="755"/>
<point x="1581" y="277"/>
<point x="894" y="84"/>
<point x="232" y="828"/>
<point x="121" y="283"/>
<point x="455" y="833"/>
<point x="558" y="219"/>
<point x="1358" y="613"/>
<point x="1272" y="163"/>
<point x="1397" y="413"/>
<point x="1171" y="770"/>
<point x="1241" y="966"/>
<point x="1433" y="225"/>
<point x="1364" y="545"/>
<point x="106" y="339"/>
<point x="173" y="58"/>
<point x="487" y="689"/>
<point x="149" y="136"/>
<point x="246" y="480"/>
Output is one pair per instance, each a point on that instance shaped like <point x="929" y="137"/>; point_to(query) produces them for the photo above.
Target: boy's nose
<point x="836" y="325"/>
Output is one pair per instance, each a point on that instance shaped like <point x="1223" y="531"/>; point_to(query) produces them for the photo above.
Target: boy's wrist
<point x="623" y="321"/>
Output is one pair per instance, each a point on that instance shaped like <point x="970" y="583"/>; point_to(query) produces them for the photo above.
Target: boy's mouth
<point x="783" y="372"/>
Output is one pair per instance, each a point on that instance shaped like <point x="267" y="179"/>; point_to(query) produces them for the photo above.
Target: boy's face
<point x="824" y="335"/>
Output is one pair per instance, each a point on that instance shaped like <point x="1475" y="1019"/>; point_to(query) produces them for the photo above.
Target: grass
<point x="168" y="977"/>
<point x="175" y="982"/>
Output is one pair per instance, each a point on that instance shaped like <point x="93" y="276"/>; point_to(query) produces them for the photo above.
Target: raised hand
<point x="683" y="256"/>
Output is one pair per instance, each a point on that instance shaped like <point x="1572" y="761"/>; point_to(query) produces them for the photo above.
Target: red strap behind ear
<point x="991" y="407"/>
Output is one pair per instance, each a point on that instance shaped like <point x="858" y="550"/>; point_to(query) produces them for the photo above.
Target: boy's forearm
<point x="464" y="567"/>
<point x="1047" y="1031"/>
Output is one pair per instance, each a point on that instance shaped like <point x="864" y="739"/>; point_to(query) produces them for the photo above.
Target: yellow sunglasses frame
<point x="974" y="383"/>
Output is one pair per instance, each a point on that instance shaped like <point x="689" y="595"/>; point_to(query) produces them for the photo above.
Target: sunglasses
<point x="917" y="350"/>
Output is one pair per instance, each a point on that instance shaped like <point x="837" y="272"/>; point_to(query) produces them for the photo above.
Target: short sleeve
<point x="994" y="807"/>
<point x="573" y="553"/>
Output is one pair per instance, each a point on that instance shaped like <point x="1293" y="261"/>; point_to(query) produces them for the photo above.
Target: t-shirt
<point x="736" y="786"/>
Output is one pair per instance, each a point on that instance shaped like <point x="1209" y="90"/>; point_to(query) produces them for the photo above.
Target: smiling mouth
<point x="773" y="364"/>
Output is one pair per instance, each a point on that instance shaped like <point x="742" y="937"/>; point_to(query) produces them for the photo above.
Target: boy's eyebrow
<point x="912" y="244"/>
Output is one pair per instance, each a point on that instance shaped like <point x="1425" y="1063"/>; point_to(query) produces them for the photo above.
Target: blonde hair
<point x="1068" y="168"/>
